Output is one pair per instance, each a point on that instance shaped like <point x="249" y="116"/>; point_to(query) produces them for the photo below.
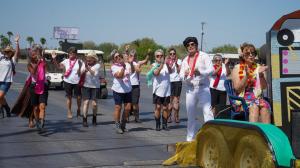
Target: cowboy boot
<point x="84" y="123"/>
<point x="157" y="120"/>
<point x="123" y="126"/>
<point x="137" y="117"/>
<point x="94" y="120"/>
<point x="165" y="124"/>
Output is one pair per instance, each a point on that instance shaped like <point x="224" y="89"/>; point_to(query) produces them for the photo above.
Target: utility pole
<point x="202" y="25"/>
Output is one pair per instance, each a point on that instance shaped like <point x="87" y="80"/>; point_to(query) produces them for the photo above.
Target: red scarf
<point x="68" y="72"/>
<point x="217" y="80"/>
<point x="193" y="66"/>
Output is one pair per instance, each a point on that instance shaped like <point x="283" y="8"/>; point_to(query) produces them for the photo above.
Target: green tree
<point x="227" y="48"/>
<point x="89" y="45"/>
<point x="107" y="48"/>
<point x="142" y="45"/>
<point x="43" y="41"/>
<point x="4" y="41"/>
<point x="10" y="34"/>
<point x="30" y="40"/>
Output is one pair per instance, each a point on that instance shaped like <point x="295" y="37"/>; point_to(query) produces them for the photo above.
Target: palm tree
<point x="30" y="40"/>
<point x="4" y="41"/>
<point x="10" y="34"/>
<point x="43" y="41"/>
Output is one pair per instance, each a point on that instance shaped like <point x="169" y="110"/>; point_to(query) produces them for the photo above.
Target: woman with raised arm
<point x="249" y="80"/>
<point x="72" y="67"/>
<point x="161" y="89"/>
<point x="38" y="85"/>
<point x="121" y="90"/>
<point x="7" y="70"/>
<point x="91" y="84"/>
<point x="176" y="85"/>
<point x="217" y="87"/>
<point x="135" y="67"/>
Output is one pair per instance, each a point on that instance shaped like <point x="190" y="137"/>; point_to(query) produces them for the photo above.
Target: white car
<point x="54" y="75"/>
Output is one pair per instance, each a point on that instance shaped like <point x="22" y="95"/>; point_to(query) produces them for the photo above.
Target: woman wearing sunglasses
<point x="249" y="80"/>
<point x="161" y="89"/>
<point x="121" y="90"/>
<point x="217" y="88"/>
<point x="176" y="85"/>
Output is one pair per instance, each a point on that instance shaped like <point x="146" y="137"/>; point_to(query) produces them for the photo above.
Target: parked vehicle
<point x="54" y="75"/>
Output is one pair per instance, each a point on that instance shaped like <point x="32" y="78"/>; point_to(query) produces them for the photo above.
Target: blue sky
<point x="166" y="21"/>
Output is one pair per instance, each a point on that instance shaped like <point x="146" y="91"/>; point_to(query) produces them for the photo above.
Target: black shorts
<point x="36" y="99"/>
<point x="161" y="100"/>
<point x="72" y="88"/>
<point x="176" y="88"/>
<point x="121" y="98"/>
<point x="89" y="93"/>
<point x="218" y="97"/>
<point x="135" y="94"/>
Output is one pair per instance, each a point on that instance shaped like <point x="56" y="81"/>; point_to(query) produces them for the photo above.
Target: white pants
<point x="195" y="96"/>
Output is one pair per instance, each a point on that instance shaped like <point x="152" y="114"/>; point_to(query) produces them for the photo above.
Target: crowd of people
<point x="204" y="80"/>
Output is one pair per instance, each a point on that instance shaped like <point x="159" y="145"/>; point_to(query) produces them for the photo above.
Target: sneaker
<point x="118" y="128"/>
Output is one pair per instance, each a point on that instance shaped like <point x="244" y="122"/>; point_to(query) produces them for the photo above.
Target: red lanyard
<point x="194" y="63"/>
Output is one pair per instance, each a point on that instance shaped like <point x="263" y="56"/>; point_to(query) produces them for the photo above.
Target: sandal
<point x="31" y="124"/>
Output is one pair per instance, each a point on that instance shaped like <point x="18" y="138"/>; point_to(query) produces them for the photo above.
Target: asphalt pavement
<point x="65" y="143"/>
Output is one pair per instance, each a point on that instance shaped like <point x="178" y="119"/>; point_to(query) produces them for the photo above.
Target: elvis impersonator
<point x="196" y="70"/>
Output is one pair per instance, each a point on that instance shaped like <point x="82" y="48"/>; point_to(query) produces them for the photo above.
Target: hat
<point x="190" y="39"/>
<point x="93" y="55"/>
<point x="8" y="49"/>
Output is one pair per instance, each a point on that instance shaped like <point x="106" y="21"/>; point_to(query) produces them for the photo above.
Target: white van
<point x="54" y="75"/>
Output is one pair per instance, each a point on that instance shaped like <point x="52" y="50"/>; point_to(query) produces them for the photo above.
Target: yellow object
<point x="297" y="163"/>
<point x="185" y="155"/>
<point x="277" y="113"/>
<point x="275" y="66"/>
<point x="223" y="146"/>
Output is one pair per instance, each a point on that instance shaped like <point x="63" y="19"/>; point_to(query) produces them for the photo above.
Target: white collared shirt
<point x="203" y="65"/>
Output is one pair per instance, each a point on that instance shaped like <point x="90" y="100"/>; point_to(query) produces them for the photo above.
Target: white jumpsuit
<point x="197" y="92"/>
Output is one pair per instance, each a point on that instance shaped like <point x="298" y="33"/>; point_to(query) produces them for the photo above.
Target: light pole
<point x="202" y="25"/>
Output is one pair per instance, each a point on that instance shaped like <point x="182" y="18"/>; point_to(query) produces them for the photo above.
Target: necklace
<point x="251" y="69"/>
